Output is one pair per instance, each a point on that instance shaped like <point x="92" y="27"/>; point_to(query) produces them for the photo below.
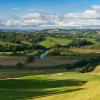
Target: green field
<point x="85" y="50"/>
<point x="51" y="42"/>
<point x="57" y="84"/>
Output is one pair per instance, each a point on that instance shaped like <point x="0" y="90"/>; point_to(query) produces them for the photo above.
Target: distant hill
<point x="72" y="32"/>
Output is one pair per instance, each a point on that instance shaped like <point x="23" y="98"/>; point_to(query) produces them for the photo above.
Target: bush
<point x="30" y="59"/>
<point x="19" y="66"/>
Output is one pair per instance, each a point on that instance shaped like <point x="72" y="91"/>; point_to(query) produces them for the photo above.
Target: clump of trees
<point x="87" y="65"/>
<point x="80" y="42"/>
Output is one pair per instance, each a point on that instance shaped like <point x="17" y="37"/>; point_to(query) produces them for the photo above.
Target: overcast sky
<point x="41" y="14"/>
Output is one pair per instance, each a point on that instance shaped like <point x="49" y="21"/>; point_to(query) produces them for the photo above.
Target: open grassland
<point x="92" y="93"/>
<point x="56" y="85"/>
<point x="96" y="71"/>
<point x="85" y="50"/>
<point x="11" y="60"/>
<point x="50" y="42"/>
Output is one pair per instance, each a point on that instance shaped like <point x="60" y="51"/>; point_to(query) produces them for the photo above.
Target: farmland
<point x="51" y="42"/>
<point x="56" y="60"/>
<point x="41" y="65"/>
<point x="7" y="60"/>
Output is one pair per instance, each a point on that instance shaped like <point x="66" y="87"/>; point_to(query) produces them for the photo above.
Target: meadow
<point x="51" y="42"/>
<point x="50" y="85"/>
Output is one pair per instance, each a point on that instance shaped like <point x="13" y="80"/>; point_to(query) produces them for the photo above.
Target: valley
<point x="41" y="65"/>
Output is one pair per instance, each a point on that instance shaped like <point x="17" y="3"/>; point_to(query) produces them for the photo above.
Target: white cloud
<point x="93" y="12"/>
<point x="86" y="14"/>
<point x="96" y="7"/>
<point x="36" y="20"/>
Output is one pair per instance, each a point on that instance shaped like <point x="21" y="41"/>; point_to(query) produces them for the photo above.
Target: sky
<point x="42" y="14"/>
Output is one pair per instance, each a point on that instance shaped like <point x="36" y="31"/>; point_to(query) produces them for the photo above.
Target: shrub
<point x="19" y="66"/>
<point x="30" y="59"/>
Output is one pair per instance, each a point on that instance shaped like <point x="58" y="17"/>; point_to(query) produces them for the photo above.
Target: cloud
<point x="89" y="13"/>
<point x="88" y="18"/>
<point x="96" y="7"/>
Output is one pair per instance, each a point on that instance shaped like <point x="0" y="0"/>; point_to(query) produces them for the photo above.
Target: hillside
<point x="86" y="94"/>
<point x="51" y="85"/>
<point x="96" y="71"/>
<point x="51" y="64"/>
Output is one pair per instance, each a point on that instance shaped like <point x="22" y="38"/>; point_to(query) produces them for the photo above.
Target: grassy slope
<point x="50" y="42"/>
<point x="88" y="94"/>
<point x="90" y="91"/>
<point x="96" y="71"/>
<point x="85" y="50"/>
<point x="57" y="86"/>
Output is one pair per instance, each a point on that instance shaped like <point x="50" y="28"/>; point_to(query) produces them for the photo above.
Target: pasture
<point x="51" y="86"/>
<point x="51" y="42"/>
<point x="85" y="50"/>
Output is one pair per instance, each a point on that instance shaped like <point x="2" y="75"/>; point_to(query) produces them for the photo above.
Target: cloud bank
<point x="89" y="18"/>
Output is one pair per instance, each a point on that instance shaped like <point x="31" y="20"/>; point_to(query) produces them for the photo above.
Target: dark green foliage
<point x="80" y="42"/>
<point x="19" y="64"/>
<point x="30" y="59"/>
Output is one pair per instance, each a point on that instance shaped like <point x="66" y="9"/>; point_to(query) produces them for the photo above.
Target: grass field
<point x="50" y="42"/>
<point x="96" y="71"/>
<point x="56" y="85"/>
<point x="84" y="50"/>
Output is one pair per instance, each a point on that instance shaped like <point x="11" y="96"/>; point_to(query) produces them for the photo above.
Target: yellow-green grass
<point x="56" y="86"/>
<point x="96" y="71"/>
<point x="93" y="40"/>
<point x="85" y="50"/>
<point x="6" y="53"/>
<point x="86" y="94"/>
<point x="50" y="42"/>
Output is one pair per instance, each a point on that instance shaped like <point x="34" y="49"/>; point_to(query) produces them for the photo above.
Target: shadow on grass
<point x="38" y="83"/>
<point x="25" y="89"/>
<point x="7" y="94"/>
